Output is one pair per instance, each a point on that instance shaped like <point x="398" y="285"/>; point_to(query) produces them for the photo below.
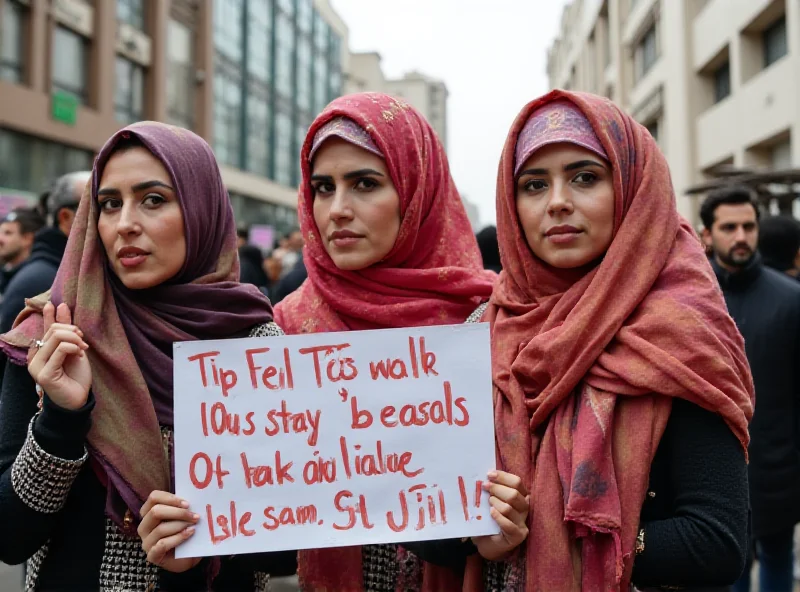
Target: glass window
<point x="774" y="42"/>
<point x="300" y="137"/>
<point x="303" y="74"/>
<point x="305" y="15"/>
<point x="70" y="72"/>
<point x="11" y="48"/>
<point x="131" y="12"/>
<point x="258" y="134"/>
<point x="646" y="53"/>
<point x="722" y="82"/>
<point x="228" y="34"/>
<point x="259" y="38"/>
<point x="335" y="49"/>
<point x="31" y="164"/>
<point x="180" y="75"/>
<point x="284" y="154"/>
<point x="227" y="117"/>
<point x="284" y="62"/>
<point x="321" y="98"/>
<point x="320" y="33"/>
<point x="335" y="88"/>
<point x="129" y="93"/>
<point x="287" y="7"/>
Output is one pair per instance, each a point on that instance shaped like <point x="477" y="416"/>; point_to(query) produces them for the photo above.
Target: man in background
<point x="17" y="231"/>
<point x="779" y="244"/>
<point x="39" y="271"/>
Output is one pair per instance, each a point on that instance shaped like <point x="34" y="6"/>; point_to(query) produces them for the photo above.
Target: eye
<point x="365" y="184"/>
<point x="110" y="204"/>
<point x="323" y="188"/>
<point x="585" y="178"/>
<point x="534" y="185"/>
<point x="153" y="200"/>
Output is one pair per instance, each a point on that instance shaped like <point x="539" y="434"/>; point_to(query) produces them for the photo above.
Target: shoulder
<point x="266" y="330"/>
<point x="33" y="276"/>
<point x="477" y="314"/>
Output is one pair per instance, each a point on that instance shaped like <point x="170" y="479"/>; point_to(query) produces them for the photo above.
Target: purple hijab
<point x="131" y="332"/>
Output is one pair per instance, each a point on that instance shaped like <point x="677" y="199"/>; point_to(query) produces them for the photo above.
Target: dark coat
<point x="766" y="307"/>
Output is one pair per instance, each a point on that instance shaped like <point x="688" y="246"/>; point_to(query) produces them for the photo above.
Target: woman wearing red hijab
<point x="622" y="391"/>
<point x="388" y="244"/>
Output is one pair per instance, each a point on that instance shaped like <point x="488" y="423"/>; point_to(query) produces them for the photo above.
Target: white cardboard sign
<point x="334" y="439"/>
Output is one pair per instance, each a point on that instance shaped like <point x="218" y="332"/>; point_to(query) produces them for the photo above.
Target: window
<point x="180" y="75"/>
<point x="303" y="91"/>
<point x="646" y="53"/>
<point x="70" y="72"/>
<point x="284" y="155"/>
<point x="774" y="42"/>
<point x="722" y="82"/>
<point x="258" y="134"/>
<point x="11" y="50"/>
<point x="227" y="117"/>
<point x="259" y="38"/>
<point x="284" y="62"/>
<point x="305" y="15"/>
<point x="320" y="84"/>
<point x="131" y="12"/>
<point x="31" y="164"/>
<point x="320" y="34"/>
<point x="300" y="137"/>
<point x="129" y="95"/>
<point x="228" y="34"/>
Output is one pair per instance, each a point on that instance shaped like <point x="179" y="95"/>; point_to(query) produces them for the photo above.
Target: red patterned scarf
<point x="432" y="276"/>
<point x="586" y="362"/>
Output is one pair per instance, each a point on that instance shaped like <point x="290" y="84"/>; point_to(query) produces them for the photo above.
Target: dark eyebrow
<point x="136" y="188"/>
<point x="582" y="163"/>
<point x="569" y="167"/>
<point x="323" y="178"/>
<point x="362" y="173"/>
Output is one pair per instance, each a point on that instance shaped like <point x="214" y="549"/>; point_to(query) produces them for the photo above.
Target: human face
<point x="356" y="207"/>
<point x="141" y="220"/>
<point x="565" y="203"/>
<point x="14" y="244"/>
<point x="734" y="235"/>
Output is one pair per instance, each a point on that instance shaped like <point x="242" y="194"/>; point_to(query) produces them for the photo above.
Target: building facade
<point x="247" y="75"/>
<point x="428" y="95"/>
<point x="715" y="81"/>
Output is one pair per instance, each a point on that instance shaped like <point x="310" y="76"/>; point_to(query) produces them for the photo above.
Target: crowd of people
<point x="645" y="376"/>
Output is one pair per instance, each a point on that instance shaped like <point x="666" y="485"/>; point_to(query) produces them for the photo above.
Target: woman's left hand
<point x="166" y="523"/>
<point x="510" y="502"/>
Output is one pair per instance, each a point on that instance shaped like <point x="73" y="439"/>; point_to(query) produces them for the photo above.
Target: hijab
<point x="432" y="276"/>
<point x="130" y="332"/>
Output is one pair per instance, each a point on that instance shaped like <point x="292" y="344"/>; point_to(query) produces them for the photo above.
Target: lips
<point x="342" y="234"/>
<point x="562" y="229"/>
<point x="131" y="256"/>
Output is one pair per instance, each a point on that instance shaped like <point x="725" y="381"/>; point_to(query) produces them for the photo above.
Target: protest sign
<point x="334" y="439"/>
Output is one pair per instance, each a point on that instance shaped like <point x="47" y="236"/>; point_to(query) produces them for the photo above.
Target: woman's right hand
<point x="167" y="522"/>
<point x="60" y="366"/>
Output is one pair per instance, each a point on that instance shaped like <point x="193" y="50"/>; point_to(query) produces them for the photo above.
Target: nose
<point x="341" y="205"/>
<point x="560" y="199"/>
<point x="128" y="221"/>
<point x="740" y="235"/>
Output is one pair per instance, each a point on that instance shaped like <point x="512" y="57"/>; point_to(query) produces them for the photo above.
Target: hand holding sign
<point x="510" y="504"/>
<point x="166" y="523"/>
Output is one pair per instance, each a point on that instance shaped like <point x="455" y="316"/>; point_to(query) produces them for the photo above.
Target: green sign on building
<point x="65" y="107"/>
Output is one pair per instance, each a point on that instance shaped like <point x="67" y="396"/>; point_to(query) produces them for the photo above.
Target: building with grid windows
<point x="247" y="75"/>
<point x="715" y="81"/>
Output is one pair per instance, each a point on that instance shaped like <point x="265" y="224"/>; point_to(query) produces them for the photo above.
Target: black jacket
<point x="34" y="276"/>
<point x="251" y="270"/>
<point x="766" y="307"/>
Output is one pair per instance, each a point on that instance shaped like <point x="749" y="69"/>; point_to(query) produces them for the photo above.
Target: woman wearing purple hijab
<point x="86" y="466"/>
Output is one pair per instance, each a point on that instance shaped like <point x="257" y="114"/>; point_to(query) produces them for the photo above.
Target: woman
<point x="151" y="260"/>
<point x="622" y="391"/>
<point x="388" y="244"/>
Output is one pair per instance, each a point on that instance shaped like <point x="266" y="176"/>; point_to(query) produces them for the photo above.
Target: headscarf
<point x="432" y="276"/>
<point x="131" y="332"/>
<point x="586" y="361"/>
